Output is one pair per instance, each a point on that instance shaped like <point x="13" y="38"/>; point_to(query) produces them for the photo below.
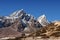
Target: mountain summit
<point x="42" y="20"/>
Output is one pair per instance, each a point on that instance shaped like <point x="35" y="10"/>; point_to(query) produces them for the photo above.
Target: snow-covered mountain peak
<point x="42" y="16"/>
<point x="42" y="20"/>
<point x="16" y="13"/>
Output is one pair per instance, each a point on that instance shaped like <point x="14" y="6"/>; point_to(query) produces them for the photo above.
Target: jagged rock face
<point x="32" y="27"/>
<point x="42" y="20"/>
<point x="5" y="23"/>
<point x="16" y="15"/>
<point x="25" y="19"/>
<point x="22" y="15"/>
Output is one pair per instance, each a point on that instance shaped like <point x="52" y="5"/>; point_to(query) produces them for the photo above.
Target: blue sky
<point x="51" y="8"/>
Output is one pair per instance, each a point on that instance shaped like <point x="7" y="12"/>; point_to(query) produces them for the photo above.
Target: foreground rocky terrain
<point x="22" y="26"/>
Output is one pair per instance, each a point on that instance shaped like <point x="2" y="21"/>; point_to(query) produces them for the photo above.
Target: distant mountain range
<point x="19" y="23"/>
<point x="24" y="17"/>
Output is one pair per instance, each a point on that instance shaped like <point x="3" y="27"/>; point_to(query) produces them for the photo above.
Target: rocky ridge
<point x="20" y="24"/>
